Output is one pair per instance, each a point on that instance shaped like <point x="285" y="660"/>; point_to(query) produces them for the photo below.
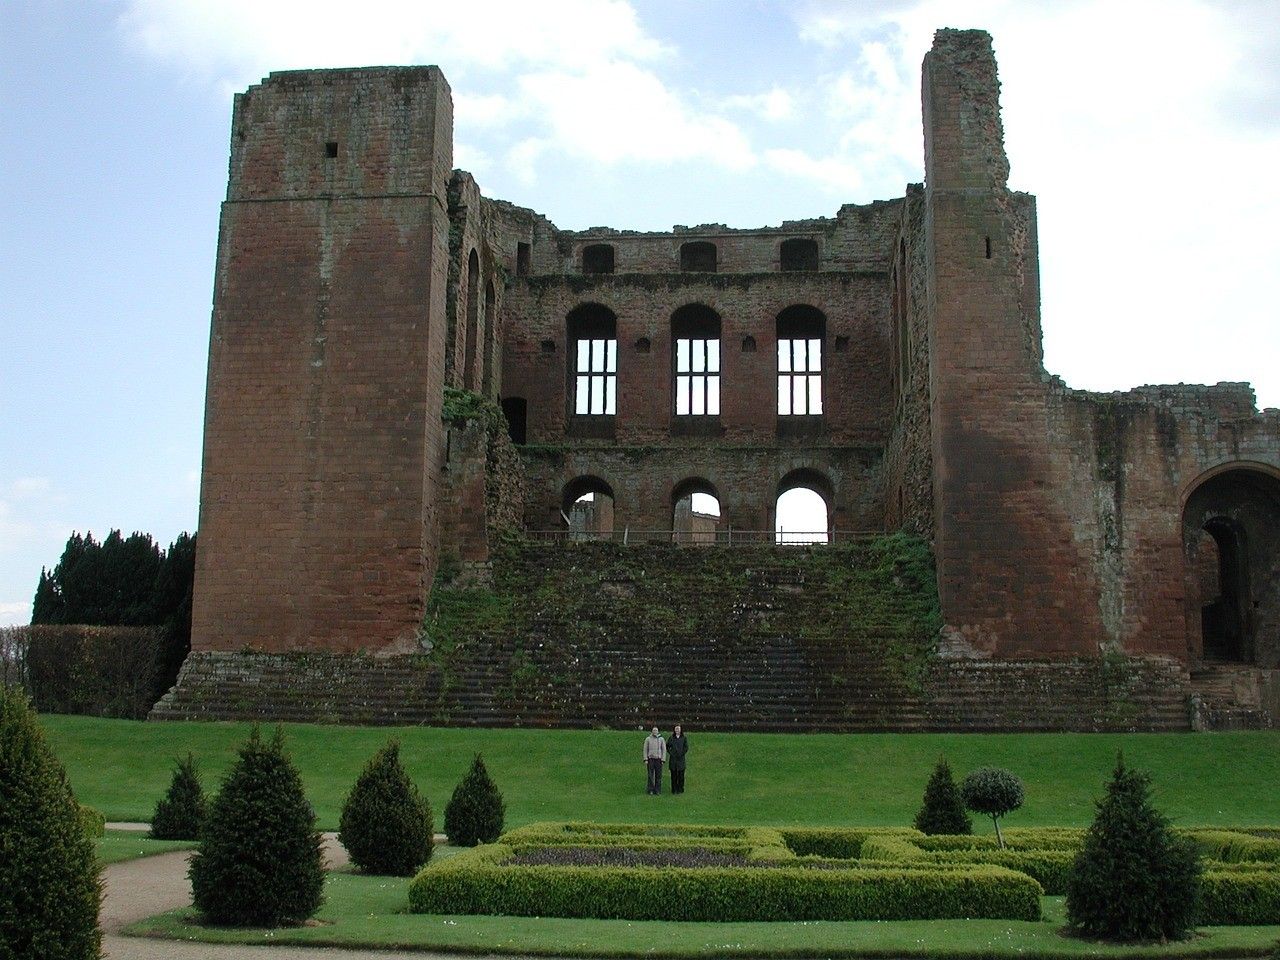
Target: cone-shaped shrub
<point x="994" y="792"/>
<point x="386" y="824"/>
<point x="943" y="809"/>
<point x="1134" y="878"/>
<point x="259" y="862"/>
<point x="475" y="813"/>
<point x="180" y="812"/>
<point x="49" y="890"/>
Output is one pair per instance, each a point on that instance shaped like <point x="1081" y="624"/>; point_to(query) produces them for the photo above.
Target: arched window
<point x="491" y="338"/>
<point x="593" y="355"/>
<point x="698" y="256"/>
<point x="597" y="258"/>
<point x="798" y="255"/>
<point x="695" y="513"/>
<point x="695" y="329"/>
<point x="800" y="334"/>
<point x="587" y="504"/>
<point x="802" y="509"/>
<point x="473" y="321"/>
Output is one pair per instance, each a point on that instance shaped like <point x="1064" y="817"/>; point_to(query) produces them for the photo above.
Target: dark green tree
<point x="171" y="603"/>
<point x="386" y="823"/>
<point x="181" y="811"/>
<point x="260" y="862"/>
<point x="476" y="811"/>
<point x="49" y="887"/>
<point x="994" y="792"/>
<point x="943" y="809"/>
<point x="47" y="603"/>
<point x="1134" y="878"/>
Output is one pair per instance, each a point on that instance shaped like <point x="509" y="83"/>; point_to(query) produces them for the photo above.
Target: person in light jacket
<point x="655" y="754"/>
<point x="677" y="748"/>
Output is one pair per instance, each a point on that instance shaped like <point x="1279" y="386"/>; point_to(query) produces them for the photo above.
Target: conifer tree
<point x="49" y="887"/>
<point x="1134" y="878"/>
<point x="180" y="812"/>
<point x="386" y="823"/>
<point x="943" y="809"/>
<point x="476" y="811"/>
<point x="260" y="862"/>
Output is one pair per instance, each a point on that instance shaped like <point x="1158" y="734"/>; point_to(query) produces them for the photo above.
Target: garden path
<point x="137" y="889"/>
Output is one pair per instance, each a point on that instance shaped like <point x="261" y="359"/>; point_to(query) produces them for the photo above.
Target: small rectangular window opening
<point x="522" y="259"/>
<point x="988" y="240"/>
<point x="331" y="150"/>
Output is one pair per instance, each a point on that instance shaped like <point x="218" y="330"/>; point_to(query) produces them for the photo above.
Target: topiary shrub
<point x="386" y="824"/>
<point x="943" y="808"/>
<point x="92" y="821"/>
<point x="181" y="811"/>
<point x="994" y="792"/>
<point x="475" y="813"/>
<point x="259" y="862"/>
<point x="49" y="887"/>
<point x="1134" y="879"/>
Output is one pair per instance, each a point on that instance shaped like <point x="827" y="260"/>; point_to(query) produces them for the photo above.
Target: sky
<point x="1148" y="129"/>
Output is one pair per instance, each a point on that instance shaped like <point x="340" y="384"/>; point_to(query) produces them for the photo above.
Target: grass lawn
<point x="123" y="767"/>
<point x="118" y="846"/>
<point x="368" y="911"/>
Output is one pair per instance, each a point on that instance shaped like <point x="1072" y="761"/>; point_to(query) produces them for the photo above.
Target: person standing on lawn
<point x="677" y="748"/>
<point x="655" y="754"/>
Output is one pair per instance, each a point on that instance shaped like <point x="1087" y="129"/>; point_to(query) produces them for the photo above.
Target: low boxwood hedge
<point x="479" y="882"/>
<point x="1239" y="898"/>
<point x="1232" y="847"/>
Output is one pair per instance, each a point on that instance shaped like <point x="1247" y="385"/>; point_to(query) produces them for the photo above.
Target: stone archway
<point x="1231" y="538"/>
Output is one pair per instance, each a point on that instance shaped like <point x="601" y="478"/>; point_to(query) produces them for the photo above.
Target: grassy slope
<point x="120" y="845"/>
<point x="366" y="911"/>
<point x="123" y="767"/>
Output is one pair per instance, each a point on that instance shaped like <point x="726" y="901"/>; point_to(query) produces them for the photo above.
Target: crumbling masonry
<point x="1102" y="560"/>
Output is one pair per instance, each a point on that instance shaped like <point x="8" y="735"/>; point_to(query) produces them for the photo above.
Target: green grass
<point x="118" y="846"/>
<point x="1222" y="779"/>
<point x="367" y="911"/>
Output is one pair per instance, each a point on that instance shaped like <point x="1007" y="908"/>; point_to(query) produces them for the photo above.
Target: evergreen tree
<point x="386" y="823"/>
<point x="45" y="608"/>
<point x="49" y="887"/>
<point x="181" y="811"/>
<point x="476" y="811"/>
<point x="1134" y="879"/>
<point x="259" y="862"/>
<point x="943" y="809"/>
<point x="994" y="792"/>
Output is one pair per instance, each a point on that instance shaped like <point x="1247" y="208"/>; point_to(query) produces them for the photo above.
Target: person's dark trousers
<point x="677" y="781"/>
<point x="655" y="775"/>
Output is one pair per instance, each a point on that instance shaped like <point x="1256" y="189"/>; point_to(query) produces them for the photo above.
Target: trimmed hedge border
<point x="477" y="882"/>
<point x="866" y="873"/>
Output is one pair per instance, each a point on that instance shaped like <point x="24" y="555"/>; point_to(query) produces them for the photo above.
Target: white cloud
<point x="14" y="613"/>
<point x="837" y="175"/>
<point x="775" y="105"/>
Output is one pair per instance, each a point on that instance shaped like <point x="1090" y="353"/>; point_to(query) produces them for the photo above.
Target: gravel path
<point x="138" y="889"/>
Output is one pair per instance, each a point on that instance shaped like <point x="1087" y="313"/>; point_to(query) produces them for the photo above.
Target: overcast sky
<point x="1148" y="131"/>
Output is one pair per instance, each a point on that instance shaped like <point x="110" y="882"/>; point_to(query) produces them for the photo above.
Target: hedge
<point x="1239" y="898"/>
<point x="1231" y="847"/>
<point x="92" y="821"/>
<point x="477" y="882"/>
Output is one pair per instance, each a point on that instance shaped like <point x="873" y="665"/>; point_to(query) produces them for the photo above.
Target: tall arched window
<point x="801" y="331"/>
<point x="473" y="321"/>
<point x="491" y="338"/>
<point x="593" y="355"/>
<point x="695" y="330"/>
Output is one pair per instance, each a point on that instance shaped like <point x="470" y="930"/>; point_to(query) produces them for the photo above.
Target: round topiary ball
<point x="992" y="791"/>
<point x="49" y="887"/>
<point x="181" y="811"/>
<point x="476" y="812"/>
<point x="259" y="862"/>
<point x="386" y="823"/>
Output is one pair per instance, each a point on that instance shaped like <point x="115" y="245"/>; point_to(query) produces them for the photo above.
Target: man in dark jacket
<point x="677" y="748"/>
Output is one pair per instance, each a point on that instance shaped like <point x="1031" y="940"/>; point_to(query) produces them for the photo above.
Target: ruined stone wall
<point x="908" y="481"/>
<point x="319" y="507"/>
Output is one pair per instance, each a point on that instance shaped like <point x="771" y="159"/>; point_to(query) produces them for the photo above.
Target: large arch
<point x="803" y="508"/>
<point x="1231" y="541"/>
<point x="587" y="505"/>
<point x="697" y="515"/>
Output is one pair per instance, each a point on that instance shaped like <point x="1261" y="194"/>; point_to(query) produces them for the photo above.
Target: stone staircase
<point x="1228" y="696"/>
<point x="762" y="639"/>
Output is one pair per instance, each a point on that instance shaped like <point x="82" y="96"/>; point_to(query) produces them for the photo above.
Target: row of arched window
<point x="696" y="368"/>
<point x="701" y="256"/>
